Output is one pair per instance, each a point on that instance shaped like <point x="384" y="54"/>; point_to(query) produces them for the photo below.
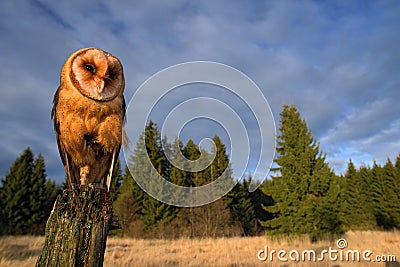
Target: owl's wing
<point x="125" y="139"/>
<point x="110" y="172"/>
<point x="115" y="153"/>
<point x="61" y="149"/>
<point x="123" y="110"/>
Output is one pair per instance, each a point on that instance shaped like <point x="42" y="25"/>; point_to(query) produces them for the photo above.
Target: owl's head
<point x="95" y="73"/>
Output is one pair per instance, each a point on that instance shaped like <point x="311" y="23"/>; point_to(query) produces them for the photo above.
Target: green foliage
<point x="301" y="187"/>
<point x="26" y="196"/>
<point x="242" y="208"/>
<point x="260" y="203"/>
<point x="158" y="219"/>
<point x="15" y="196"/>
<point x="38" y="194"/>
<point x="153" y="213"/>
<point x="177" y="175"/>
<point x="303" y="197"/>
<point x="356" y="214"/>
<point x="385" y="196"/>
<point x="191" y="152"/>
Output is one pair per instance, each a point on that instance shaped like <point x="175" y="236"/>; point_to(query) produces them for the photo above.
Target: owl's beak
<point x="99" y="84"/>
<point x="100" y="87"/>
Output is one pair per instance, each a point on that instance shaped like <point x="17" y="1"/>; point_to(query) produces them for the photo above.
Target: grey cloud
<point x="336" y="61"/>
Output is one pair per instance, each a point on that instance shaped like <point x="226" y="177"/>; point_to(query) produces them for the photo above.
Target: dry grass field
<point x="24" y="250"/>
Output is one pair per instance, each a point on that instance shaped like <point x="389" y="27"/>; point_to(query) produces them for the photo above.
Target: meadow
<point x="235" y="251"/>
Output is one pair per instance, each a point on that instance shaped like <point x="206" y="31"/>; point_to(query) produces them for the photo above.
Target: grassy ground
<point x="24" y="250"/>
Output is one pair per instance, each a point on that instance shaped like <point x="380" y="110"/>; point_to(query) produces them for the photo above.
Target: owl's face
<point x="96" y="74"/>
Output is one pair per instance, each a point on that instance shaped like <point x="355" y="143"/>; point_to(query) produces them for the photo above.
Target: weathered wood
<point x="76" y="231"/>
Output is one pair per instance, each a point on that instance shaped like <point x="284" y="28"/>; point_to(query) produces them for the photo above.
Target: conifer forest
<point x="303" y="196"/>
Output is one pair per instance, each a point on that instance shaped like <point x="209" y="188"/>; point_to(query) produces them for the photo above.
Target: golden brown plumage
<point x="88" y="114"/>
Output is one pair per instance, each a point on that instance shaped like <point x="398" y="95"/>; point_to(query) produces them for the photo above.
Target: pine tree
<point x="176" y="174"/>
<point x="327" y="221"/>
<point x="220" y="169"/>
<point x="52" y="191"/>
<point x="302" y="182"/>
<point x="15" y="195"/>
<point x="154" y="148"/>
<point x="355" y="212"/>
<point x="129" y="185"/>
<point x="221" y="162"/>
<point x="191" y="153"/>
<point x="241" y="207"/>
<point x="396" y="182"/>
<point x="379" y="198"/>
<point x="154" y="213"/>
<point x="366" y="175"/>
<point x="38" y="196"/>
<point x="128" y="204"/>
<point x="261" y="202"/>
<point x="26" y="196"/>
<point x="392" y="193"/>
<point x="385" y="195"/>
<point x="397" y="166"/>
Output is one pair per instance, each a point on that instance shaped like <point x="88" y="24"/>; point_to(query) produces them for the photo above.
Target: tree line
<point x="309" y="198"/>
<point x="303" y="197"/>
<point x="141" y="215"/>
<point x="26" y="196"/>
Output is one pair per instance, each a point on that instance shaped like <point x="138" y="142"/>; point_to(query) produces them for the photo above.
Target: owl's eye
<point x="111" y="74"/>
<point x="89" y="67"/>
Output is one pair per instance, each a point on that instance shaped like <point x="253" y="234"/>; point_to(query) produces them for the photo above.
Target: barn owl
<point x="88" y="114"/>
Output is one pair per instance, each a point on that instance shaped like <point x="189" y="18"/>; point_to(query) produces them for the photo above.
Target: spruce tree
<point x="15" y="195"/>
<point x="128" y="204"/>
<point x="397" y="176"/>
<point x="221" y="162"/>
<point x="26" y="196"/>
<point x="38" y="196"/>
<point x="221" y="169"/>
<point x="327" y="221"/>
<point x="392" y="193"/>
<point x="192" y="153"/>
<point x="176" y="174"/>
<point x="260" y="203"/>
<point x="302" y="182"/>
<point x="52" y="191"/>
<point x="377" y="195"/>
<point x="154" y="213"/>
<point x="397" y="166"/>
<point x="385" y="197"/>
<point x="366" y="175"/>
<point x="355" y="213"/>
<point x="154" y="148"/>
<point x="241" y="207"/>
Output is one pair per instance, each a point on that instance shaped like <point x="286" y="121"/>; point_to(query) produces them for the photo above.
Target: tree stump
<point x="76" y="231"/>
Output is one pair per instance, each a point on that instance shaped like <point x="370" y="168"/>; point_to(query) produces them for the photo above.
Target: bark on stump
<point x="76" y="231"/>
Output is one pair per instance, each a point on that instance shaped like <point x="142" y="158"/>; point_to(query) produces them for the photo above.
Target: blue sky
<point x="337" y="61"/>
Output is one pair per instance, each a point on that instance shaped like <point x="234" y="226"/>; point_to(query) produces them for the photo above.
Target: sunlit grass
<point x="24" y="250"/>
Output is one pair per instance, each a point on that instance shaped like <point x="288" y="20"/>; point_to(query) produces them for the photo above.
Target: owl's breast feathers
<point x="87" y="129"/>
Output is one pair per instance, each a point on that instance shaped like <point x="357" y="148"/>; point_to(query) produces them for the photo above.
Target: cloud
<point x="336" y="61"/>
